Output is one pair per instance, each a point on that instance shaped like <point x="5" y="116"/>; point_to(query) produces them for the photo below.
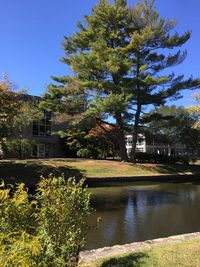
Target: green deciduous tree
<point x="118" y="57"/>
<point x="17" y="112"/>
<point x="28" y="111"/>
<point x="172" y="125"/>
<point x="195" y="111"/>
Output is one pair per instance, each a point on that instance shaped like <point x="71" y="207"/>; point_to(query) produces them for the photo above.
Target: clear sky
<point x="32" y="31"/>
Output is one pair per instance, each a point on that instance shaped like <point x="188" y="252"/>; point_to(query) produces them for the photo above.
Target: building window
<point x="129" y="141"/>
<point x="43" y="150"/>
<point x="43" y="127"/>
<point x="140" y="142"/>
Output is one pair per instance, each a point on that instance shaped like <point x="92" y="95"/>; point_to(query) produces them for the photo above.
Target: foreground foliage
<point x="48" y="230"/>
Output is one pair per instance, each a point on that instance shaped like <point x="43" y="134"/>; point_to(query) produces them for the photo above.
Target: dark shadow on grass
<point x="174" y="168"/>
<point x="30" y="172"/>
<point x="132" y="260"/>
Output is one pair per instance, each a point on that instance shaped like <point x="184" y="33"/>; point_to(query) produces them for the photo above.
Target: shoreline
<point x="89" y="256"/>
<point x="143" y="178"/>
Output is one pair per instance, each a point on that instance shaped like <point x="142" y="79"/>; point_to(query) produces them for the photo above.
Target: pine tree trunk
<point x="122" y="147"/>
<point x="121" y="139"/>
<point x="135" y="134"/>
<point x="137" y="116"/>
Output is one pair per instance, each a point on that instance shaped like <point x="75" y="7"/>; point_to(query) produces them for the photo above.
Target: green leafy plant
<point x="47" y="230"/>
<point x="62" y="220"/>
<point x="20" y="148"/>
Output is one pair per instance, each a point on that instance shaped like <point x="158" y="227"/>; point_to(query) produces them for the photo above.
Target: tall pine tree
<point x="118" y="57"/>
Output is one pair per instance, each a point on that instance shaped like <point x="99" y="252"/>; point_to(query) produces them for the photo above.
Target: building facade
<point x="152" y="147"/>
<point x="140" y="145"/>
<point x="43" y="132"/>
<point x="46" y="143"/>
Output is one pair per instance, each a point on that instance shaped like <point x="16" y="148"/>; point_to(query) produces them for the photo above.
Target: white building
<point x="140" y="146"/>
<point x="1" y="151"/>
<point x="153" y="147"/>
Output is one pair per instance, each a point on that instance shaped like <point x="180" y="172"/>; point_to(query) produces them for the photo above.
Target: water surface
<point x="140" y="211"/>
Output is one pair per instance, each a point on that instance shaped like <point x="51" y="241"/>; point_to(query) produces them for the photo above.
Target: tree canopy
<point x="119" y="58"/>
<point x="17" y="111"/>
<point x="195" y="111"/>
<point x="8" y="106"/>
<point x="173" y="125"/>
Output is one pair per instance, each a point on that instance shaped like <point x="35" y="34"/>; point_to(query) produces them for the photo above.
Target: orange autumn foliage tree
<point x="105" y="137"/>
<point x="8" y="105"/>
<point x="17" y="109"/>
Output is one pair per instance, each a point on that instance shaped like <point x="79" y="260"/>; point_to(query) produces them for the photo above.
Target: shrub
<point x="46" y="231"/>
<point x="62" y="220"/>
<point x="160" y="158"/>
<point x="20" y="148"/>
<point x="19" y="249"/>
<point x="18" y="240"/>
<point x="88" y="152"/>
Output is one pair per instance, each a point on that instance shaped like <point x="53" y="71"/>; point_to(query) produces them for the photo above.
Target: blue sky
<point x="32" y="32"/>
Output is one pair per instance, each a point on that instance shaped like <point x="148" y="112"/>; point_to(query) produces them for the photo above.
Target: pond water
<point x="140" y="211"/>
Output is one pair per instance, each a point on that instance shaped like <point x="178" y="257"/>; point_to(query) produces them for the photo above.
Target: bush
<point x="46" y="231"/>
<point x="96" y="143"/>
<point x="20" y="148"/>
<point x="160" y="158"/>
<point x="88" y="152"/>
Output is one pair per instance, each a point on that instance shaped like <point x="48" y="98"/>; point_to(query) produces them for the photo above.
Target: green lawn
<point x="29" y="171"/>
<point x="182" y="254"/>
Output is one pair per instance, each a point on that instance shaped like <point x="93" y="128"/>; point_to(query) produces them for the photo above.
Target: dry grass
<point x="29" y="171"/>
<point x="105" y="168"/>
<point x="182" y="254"/>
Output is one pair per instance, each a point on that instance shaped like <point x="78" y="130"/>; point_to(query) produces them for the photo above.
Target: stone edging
<point x="87" y="257"/>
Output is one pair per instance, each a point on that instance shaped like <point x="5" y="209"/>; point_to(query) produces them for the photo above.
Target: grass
<point x="29" y="171"/>
<point x="102" y="168"/>
<point x="197" y="162"/>
<point x="182" y="254"/>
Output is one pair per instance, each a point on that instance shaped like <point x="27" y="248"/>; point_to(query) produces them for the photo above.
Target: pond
<point x="140" y="211"/>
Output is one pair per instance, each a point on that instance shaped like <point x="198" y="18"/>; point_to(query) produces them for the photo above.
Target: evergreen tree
<point x="118" y="57"/>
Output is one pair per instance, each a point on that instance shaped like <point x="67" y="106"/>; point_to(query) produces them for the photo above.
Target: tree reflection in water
<point x="137" y="212"/>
